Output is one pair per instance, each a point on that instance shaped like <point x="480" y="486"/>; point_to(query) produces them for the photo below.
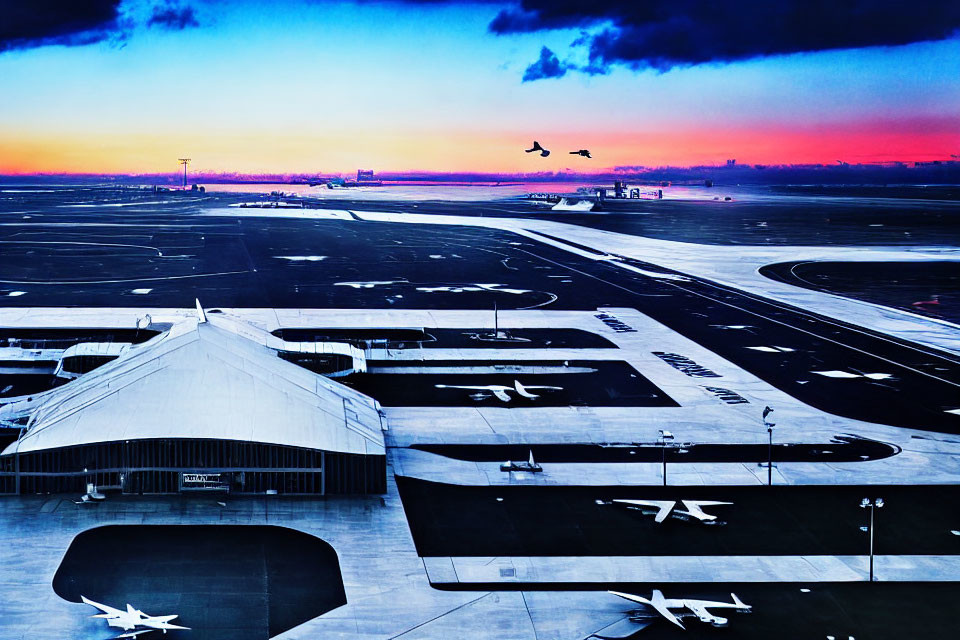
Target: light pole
<point x="865" y="504"/>
<point x="184" y="162"/>
<point x="769" y="425"/>
<point x="662" y="439"/>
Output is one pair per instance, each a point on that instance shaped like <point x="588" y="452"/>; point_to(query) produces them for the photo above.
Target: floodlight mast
<point x="769" y="425"/>
<point x="866" y="503"/>
<point x="662" y="438"/>
<point x="184" y="162"/>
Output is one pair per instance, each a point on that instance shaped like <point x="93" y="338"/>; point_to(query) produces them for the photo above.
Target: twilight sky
<point x="323" y="86"/>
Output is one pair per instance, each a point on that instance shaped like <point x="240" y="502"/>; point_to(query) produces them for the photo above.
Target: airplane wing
<point x="700" y="605"/>
<point x="465" y="387"/>
<point x="161" y="623"/>
<point x="699" y="609"/>
<point x="500" y="392"/>
<point x="657" y="601"/>
<point x="663" y="506"/>
<point x="704" y="503"/>
<point x="159" y="619"/>
<point x="630" y="597"/>
<point x="134" y="634"/>
<point x="108" y="612"/>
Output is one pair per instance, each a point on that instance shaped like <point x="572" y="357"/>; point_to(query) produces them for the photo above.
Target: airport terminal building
<point x="199" y="407"/>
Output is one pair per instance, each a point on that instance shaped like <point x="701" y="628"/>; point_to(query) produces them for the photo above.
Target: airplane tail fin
<point x="536" y="146"/>
<point x="522" y="390"/>
<point x="661" y="516"/>
<point x="99" y="606"/>
<point x="740" y="603"/>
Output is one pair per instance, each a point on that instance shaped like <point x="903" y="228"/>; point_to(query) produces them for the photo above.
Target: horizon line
<point x="426" y="174"/>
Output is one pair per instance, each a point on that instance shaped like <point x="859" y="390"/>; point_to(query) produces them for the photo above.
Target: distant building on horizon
<point x="365" y="178"/>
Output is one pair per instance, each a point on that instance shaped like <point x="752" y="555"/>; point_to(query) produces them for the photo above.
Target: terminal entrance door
<point x="205" y="481"/>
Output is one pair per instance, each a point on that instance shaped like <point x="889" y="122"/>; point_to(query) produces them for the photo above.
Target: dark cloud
<point x="25" y="24"/>
<point x="662" y="34"/>
<point x="66" y="22"/>
<point x="173" y="16"/>
<point x="548" y="66"/>
<point x="517" y="20"/>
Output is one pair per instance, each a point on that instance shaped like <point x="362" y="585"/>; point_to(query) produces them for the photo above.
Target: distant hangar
<point x="202" y="406"/>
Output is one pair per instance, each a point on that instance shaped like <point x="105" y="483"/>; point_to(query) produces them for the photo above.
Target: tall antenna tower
<point x="184" y="162"/>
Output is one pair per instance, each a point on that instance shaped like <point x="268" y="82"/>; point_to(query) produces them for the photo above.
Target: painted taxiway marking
<point x="847" y="374"/>
<point x="84" y="244"/>
<point x="155" y="279"/>
<point x="369" y="284"/>
<point x="302" y="258"/>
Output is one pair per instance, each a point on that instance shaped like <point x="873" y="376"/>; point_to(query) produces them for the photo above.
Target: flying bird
<point x="536" y="147"/>
<point x="582" y="152"/>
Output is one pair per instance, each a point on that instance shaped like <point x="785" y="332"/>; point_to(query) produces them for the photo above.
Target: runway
<point x="926" y="288"/>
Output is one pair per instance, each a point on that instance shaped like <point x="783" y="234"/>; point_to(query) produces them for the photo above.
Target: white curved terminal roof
<point x="199" y="380"/>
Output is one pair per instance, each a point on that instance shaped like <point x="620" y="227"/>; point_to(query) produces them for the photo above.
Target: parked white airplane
<point x="502" y="391"/>
<point x="132" y="620"/>
<point x="693" y="508"/>
<point x="697" y="608"/>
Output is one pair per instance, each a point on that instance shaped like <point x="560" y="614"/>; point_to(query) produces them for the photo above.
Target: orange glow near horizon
<point x="480" y="152"/>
